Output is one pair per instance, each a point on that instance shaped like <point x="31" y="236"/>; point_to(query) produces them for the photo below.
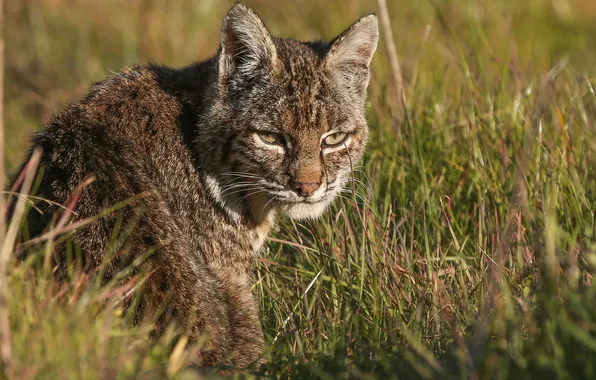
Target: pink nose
<point x="306" y="189"/>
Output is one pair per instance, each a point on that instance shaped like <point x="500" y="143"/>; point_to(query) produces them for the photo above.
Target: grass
<point x="467" y="249"/>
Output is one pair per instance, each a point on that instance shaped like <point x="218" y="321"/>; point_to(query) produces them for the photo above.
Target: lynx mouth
<point x="301" y="201"/>
<point x="304" y="208"/>
<point x="290" y="197"/>
<point x="300" y="208"/>
<point x="283" y="197"/>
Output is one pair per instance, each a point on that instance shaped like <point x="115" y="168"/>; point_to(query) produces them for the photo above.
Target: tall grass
<point x="464" y="248"/>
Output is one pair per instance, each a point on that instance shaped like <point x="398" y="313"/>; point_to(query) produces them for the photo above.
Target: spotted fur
<point x="218" y="149"/>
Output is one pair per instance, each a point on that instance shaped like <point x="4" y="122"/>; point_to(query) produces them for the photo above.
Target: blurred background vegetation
<point x="57" y="48"/>
<point x="468" y="247"/>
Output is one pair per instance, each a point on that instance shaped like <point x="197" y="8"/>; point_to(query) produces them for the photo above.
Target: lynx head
<point x="287" y="124"/>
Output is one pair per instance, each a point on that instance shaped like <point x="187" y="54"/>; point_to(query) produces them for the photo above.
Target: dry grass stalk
<point x="6" y="251"/>
<point x="396" y="75"/>
<point x="10" y="238"/>
<point x="5" y="347"/>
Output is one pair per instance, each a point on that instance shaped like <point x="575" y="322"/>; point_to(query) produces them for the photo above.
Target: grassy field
<point x="468" y="247"/>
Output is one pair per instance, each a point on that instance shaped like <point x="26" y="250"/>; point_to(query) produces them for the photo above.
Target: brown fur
<point x="191" y="140"/>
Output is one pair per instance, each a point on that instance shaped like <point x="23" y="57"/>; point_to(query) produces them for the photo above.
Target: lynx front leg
<point x="248" y="343"/>
<point x="192" y="298"/>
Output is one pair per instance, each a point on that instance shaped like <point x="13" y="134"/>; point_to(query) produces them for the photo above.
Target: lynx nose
<point x="306" y="189"/>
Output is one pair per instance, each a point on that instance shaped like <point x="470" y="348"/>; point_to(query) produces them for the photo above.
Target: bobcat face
<point x="290" y="114"/>
<point x="303" y="145"/>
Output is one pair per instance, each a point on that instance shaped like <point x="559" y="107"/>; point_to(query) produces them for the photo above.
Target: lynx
<point x="267" y="127"/>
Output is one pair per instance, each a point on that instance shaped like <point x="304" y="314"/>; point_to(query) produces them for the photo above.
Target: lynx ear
<point x="351" y="52"/>
<point x="246" y="45"/>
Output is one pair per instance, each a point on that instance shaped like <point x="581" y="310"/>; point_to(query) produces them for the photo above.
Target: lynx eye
<point x="335" y="139"/>
<point x="272" y="138"/>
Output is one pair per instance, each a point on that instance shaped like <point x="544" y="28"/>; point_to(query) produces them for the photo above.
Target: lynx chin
<point x="206" y="158"/>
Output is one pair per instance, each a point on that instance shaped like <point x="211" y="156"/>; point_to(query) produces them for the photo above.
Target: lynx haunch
<point x="267" y="127"/>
